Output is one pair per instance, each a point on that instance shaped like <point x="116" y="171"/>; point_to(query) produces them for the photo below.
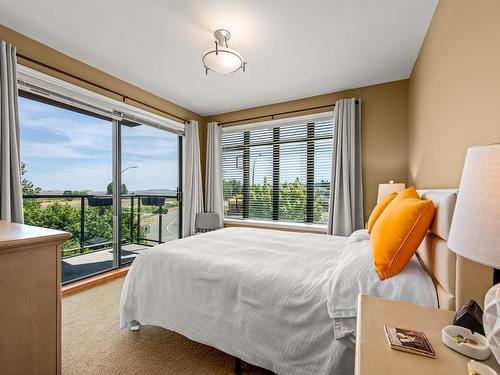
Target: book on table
<point x="409" y="341"/>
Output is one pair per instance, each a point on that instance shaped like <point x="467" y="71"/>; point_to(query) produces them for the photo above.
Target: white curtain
<point x="11" y="198"/>
<point x="346" y="194"/>
<point x="191" y="179"/>
<point x="213" y="178"/>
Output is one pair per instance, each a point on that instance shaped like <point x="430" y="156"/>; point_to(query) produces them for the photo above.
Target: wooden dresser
<point x="30" y="299"/>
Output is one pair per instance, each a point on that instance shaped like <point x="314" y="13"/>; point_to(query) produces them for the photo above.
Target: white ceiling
<point x="294" y="48"/>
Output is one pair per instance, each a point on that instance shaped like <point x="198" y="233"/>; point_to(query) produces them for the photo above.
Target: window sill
<point x="299" y="227"/>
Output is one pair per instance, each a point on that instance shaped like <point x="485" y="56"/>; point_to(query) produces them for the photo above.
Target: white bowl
<point x="480" y="368"/>
<point x="480" y="351"/>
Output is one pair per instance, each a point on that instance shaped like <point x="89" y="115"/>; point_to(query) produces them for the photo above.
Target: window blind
<point x="280" y="173"/>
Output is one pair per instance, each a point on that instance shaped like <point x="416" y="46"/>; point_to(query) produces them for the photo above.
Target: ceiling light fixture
<point x="222" y="59"/>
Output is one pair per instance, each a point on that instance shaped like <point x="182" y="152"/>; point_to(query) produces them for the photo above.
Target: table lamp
<point x="475" y="229"/>
<point x="386" y="189"/>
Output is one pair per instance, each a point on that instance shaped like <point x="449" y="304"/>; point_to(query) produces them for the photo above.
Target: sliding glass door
<point x="66" y="168"/>
<point x="150" y="183"/>
<point x="71" y="161"/>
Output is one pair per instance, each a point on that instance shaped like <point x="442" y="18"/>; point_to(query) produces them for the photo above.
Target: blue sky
<point x="65" y="150"/>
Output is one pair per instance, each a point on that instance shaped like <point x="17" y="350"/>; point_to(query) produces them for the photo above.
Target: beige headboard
<point x="457" y="279"/>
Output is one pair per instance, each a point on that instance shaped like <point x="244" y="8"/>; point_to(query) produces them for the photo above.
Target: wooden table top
<point x="374" y="355"/>
<point x="15" y="235"/>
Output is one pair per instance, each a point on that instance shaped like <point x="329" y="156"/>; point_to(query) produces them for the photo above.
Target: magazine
<point x="409" y="341"/>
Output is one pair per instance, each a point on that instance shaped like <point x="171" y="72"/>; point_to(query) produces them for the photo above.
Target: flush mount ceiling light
<point x="222" y="59"/>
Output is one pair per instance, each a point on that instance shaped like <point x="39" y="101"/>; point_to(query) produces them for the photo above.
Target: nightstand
<point x="375" y="357"/>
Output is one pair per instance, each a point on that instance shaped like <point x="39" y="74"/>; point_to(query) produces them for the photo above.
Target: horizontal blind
<point x="279" y="173"/>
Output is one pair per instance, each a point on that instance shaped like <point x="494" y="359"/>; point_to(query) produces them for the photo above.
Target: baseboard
<point x="81" y="285"/>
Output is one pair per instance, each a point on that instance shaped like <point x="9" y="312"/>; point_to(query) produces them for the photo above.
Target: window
<point x="75" y="147"/>
<point x="278" y="173"/>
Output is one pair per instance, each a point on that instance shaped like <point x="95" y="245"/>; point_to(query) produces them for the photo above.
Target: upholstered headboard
<point x="457" y="279"/>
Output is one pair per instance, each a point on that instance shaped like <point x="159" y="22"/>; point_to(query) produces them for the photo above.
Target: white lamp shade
<point x="224" y="60"/>
<point x="387" y="189"/>
<point x="475" y="229"/>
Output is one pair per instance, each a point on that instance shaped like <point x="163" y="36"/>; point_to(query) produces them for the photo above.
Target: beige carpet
<point x="94" y="344"/>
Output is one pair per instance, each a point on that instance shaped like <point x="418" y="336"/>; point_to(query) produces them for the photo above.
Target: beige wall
<point x="384" y="130"/>
<point x="454" y="91"/>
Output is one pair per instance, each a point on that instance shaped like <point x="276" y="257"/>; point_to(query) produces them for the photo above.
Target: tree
<point x="109" y="189"/>
<point x="232" y="187"/>
<point x="64" y="214"/>
<point x="261" y="205"/>
<point x="28" y="186"/>
<point x="292" y="200"/>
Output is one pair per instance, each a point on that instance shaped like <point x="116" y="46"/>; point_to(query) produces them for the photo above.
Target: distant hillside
<point x="88" y="192"/>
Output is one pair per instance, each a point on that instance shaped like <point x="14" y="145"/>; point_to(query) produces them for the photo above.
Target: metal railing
<point x="134" y="212"/>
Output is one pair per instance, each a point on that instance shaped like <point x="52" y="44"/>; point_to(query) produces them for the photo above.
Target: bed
<point x="280" y="300"/>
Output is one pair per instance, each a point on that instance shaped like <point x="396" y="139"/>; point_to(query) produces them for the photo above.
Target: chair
<point x="206" y="222"/>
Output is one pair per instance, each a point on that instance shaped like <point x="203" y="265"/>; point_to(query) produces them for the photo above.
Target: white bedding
<point x="259" y="295"/>
<point x="355" y="274"/>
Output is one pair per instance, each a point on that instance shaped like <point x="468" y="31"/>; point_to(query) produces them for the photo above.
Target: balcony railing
<point x="146" y="220"/>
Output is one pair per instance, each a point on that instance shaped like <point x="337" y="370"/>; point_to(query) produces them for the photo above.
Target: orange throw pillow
<point x="379" y="208"/>
<point x="409" y="192"/>
<point x="398" y="232"/>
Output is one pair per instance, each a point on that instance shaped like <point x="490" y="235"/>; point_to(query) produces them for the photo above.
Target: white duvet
<point x="267" y="297"/>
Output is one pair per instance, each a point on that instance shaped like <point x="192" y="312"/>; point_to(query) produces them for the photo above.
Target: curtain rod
<point x="279" y="114"/>
<point x="124" y="97"/>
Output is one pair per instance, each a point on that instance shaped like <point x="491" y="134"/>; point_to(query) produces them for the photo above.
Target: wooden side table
<point x="375" y="357"/>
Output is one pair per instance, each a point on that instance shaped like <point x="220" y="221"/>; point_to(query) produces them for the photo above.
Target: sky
<point x="66" y="150"/>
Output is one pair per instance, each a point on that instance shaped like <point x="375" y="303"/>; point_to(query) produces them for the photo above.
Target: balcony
<point x="146" y="220"/>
